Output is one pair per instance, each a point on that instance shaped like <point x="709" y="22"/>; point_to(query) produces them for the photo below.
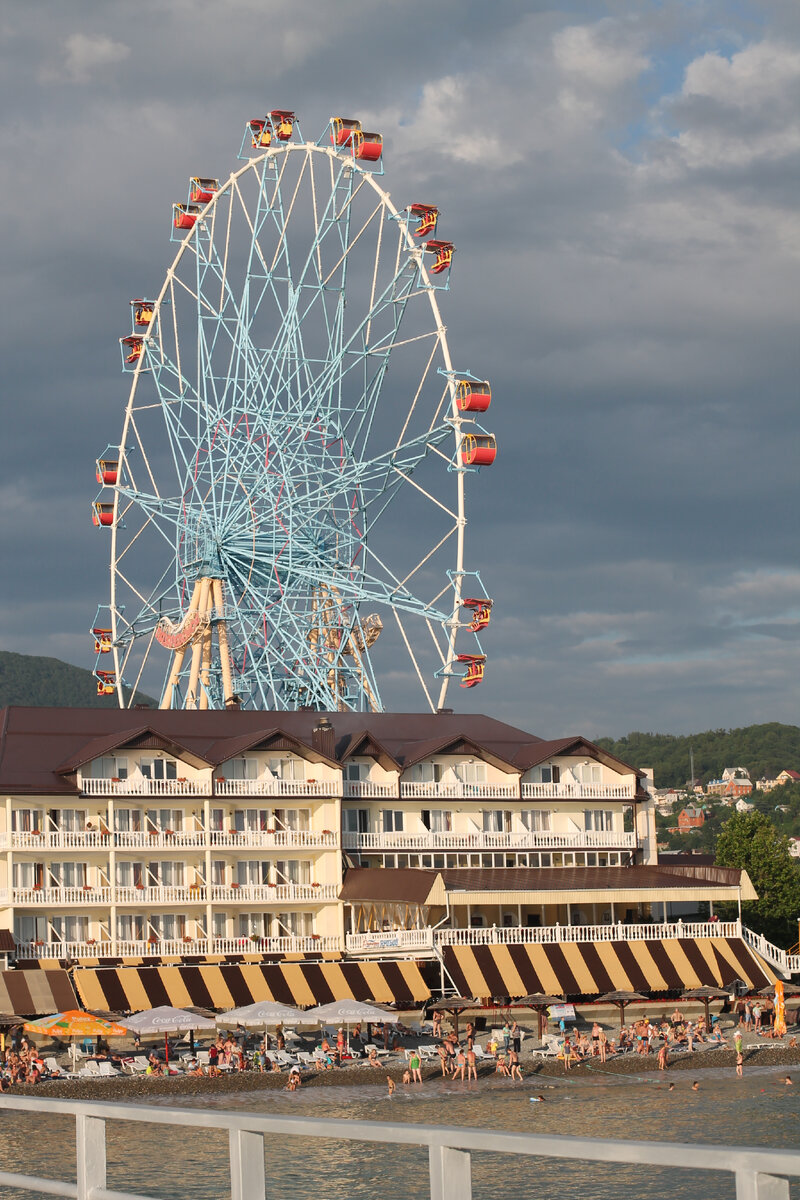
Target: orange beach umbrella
<point x="75" y="1023"/>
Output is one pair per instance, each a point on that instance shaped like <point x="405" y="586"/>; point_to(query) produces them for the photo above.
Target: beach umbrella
<point x="345" y="1013"/>
<point x="455" y="1005"/>
<point x="539" y="1002"/>
<point x="166" y="1020"/>
<point x="789" y="989"/>
<point x="620" y="999"/>
<point x="75" y="1023"/>
<point x="705" y="994"/>
<point x="261" y="1015"/>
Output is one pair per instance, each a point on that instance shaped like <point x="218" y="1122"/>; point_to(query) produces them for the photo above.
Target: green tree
<point x="750" y="841"/>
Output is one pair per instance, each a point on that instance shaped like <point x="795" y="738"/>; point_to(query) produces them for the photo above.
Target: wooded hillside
<point x="28" y="679"/>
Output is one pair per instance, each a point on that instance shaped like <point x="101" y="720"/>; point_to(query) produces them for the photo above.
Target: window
<point x="170" y="926"/>
<point x="295" y="924"/>
<point x="219" y="925"/>
<point x="128" y="820"/>
<point x="25" y="820"/>
<point x="27" y="874"/>
<point x="427" y="772"/>
<point x="496" y="821"/>
<point x="298" y="820"/>
<point x="241" y="768"/>
<point x="471" y="772"/>
<point x="161" y="819"/>
<point x="70" y="929"/>
<point x="550" y="773"/>
<point x="392" y="820"/>
<point x="589" y="772"/>
<point x="601" y="820"/>
<point x="165" y="874"/>
<point x="253" y="925"/>
<point x="218" y="872"/>
<point x="251" y="820"/>
<point x="476" y="921"/>
<point x="130" y="874"/>
<point x="109" y="767"/>
<point x="356" y="772"/>
<point x="30" y="929"/>
<point x="437" y="820"/>
<point x="216" y="817"/>
<point x="131" y="928"/>
<point x="536" y="820"/>
<point x="159" y="768"/>
<point x="293" y="870"/>
<point x="70" y="820"/>
<point x="355" y="820"/>
<point x="252" y="871"/>
<point x="67" y="874"/>
<point x="288" y="768"/>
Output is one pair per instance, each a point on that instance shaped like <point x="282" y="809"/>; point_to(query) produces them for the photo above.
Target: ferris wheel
<point x="286" y="499"/>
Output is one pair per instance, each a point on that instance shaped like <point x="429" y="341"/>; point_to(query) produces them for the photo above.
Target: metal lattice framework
<point x="277" y="499"/>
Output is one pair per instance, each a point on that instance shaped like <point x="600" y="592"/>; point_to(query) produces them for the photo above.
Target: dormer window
<point x="241" y="768"/>
<point x="356" y="772"/>
<point x="589" y="773"/>
<point x="471" y="772"/>
<point x="287" y="768"/>
<point x="159" y="768"/>
<point x="547" y="774"/>
<point x="109" y="767"/>
<point x="427" y="772"/>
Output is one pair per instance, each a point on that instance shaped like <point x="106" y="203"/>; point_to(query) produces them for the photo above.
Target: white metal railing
<point x="459" y="791"/>
<point x="159" y="839"/>
<point x="61" y="839"/>
<point x="516" y="934"/>
<point x="277" y="787"/>
<point x="178" y="947"/>
<point x="578" y="791"/>
<point x="175" y="893"/>
<point x="397" y="939"/>
<point x="59" y="896"/>
<point x="521" y="840"/>
<point x="276" y="839"/>
<point x="758" y="1173"/>
<point x="137" y="786"/>
<point x="787" y="964"/>
<point x="363" y="789"/>
<point x="272" y="893"/>
<point x="291" y="944"/>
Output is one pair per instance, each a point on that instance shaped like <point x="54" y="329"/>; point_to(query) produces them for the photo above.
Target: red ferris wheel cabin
<point x="481" y="613"/>
<point x="476" y="664"/>
<point x="102" y="641"/>
<point x="143" y="311"/>
<point x="342" y="130"/>
<point x="478" y="449"/>
<point x="367" y="146"/>
<point x="102" y="513"/>
<point x="444" y="252"/>
<point x="107" y="471"/>
<point x="202" y="190"/>
<point x="106" y="683"/>
<point x="427" y="217"/>
<point x="260" y="133"/>
<point x="185" y="215"/>
<point x="282" y="123"/>
<point x="472" y="396"/>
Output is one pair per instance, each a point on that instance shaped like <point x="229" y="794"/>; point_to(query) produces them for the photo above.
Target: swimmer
<point x="391" y="1084"/>
<point x="671" y="1087"/>
<point x="536" y="1099"/>
<point x="788" y="1081"/>
<point x="739" y="1064"/>
<point x="406" y="1076"/>
<point x="696" y="1086"/>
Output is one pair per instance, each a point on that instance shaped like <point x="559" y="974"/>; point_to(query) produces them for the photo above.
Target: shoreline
<point x="133" y="1087"/>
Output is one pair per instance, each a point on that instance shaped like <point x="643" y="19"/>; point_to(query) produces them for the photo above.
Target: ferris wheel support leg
<point x="178" y="657"/>
<point x="197" y="647"/>
<point x="205" y="670"/>
<point x="222" y="637"/>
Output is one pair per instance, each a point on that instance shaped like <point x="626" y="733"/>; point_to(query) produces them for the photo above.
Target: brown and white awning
<point x="34" y="993"/>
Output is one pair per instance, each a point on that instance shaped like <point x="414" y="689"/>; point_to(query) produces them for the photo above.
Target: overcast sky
<point x="621" y="182"/>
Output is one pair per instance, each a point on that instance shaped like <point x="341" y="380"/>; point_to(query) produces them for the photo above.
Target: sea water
<point x="182" y="1164"/>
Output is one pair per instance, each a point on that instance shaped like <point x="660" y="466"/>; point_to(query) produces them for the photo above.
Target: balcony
<point x="547" y="934"/>
<point x="61" y="839"/>
<point x="459" y="791"/>
<point x="362" y="789"/>
<point x="179" y="947"/>
<point x="159" y="839"/>
<point x="578" y="791"/>
<point x="60" y="897"/>
<point x="278" y="787"/>
<point x="278" y="839"/>
<point x="523" y="840"/>
<point x="418" y="940"/>
<point x="273" y="893"/>
<point x="145" y="787"/>
<point x="194" y="893"/>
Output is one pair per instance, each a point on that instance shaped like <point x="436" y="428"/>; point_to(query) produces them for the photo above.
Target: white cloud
<point x="86" y="54"/>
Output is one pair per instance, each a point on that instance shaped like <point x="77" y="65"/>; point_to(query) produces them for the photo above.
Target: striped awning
<point x="33" y="993"/>
<point x="588" y="969"/>
<point x="229" y="985"/>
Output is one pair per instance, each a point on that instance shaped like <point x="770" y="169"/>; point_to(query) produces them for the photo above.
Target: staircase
<point x="787" y="964"/>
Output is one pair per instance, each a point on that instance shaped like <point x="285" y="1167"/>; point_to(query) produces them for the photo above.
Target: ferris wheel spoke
<point x="414" y="662"/>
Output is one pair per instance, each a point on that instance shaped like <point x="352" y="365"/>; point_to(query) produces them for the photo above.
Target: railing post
<point x="451" y="1174"/>
<point x="752" y="1185"/>
<point x="248" y="1176"/>
<point x="90" y="1144"/>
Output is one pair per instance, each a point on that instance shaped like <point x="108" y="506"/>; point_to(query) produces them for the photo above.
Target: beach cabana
<point x="539" y="1002"/>
<point x="621" y="999"/>
<point x="166" y="1020"/>
<point x="705" y="994"/>
<point x="455" y="1005"/>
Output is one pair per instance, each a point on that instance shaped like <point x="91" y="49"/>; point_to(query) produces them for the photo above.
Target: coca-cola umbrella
<point x="166" y="1020"/>
<point x="262" y="1014"/>
<point x="344" y="1013"/>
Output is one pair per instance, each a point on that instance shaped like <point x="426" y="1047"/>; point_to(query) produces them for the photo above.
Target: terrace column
<point x="112" y="871"/>
<point x="207" y="858"/>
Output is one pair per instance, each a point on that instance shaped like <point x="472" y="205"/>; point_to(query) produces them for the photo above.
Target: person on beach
<point x="662" y="1056"/>
<point x="441" y="1050"/>
<point x="390" y="1084"/>
<point x="502" y="1066"/>
<point x="788" y="1081"/>
<point x="472" y="1066"/>
<point x="696" y="1086"/>
<point x="513" y="1061"/>
<point x="406" y="1076"/>
<point x="602" y="1045"/>
<point x="740" y="1064"/>
<point x="595" y="1040"/>
<point x="737" y="1041"/>
<point x="516" y="1037"/>
<point x="470" y="1035"/>
<point x="436" y="1016"/>
<point x="416" y="1067"/>
<point x="460" y="1064"/>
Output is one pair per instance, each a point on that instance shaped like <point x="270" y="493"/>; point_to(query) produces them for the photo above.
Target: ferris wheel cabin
<point x="426" y="216"/>
<point x="107" y="471"/>
<point x="472" y="396"/>
<point x="102" y="640"/>
<point x="478" y="449"/>
<point x="367" y="146"/>
<point x="202" y="190"/>
<point x="476" y="664"/>
<point x="143" y="311"/>
<point x="132" y="348"/>
<point x="260" y="134"/>
<point x="282" y="123"/>
<point x="185" y="215"/>
<point x="102" y="513"/>
<point x="106" y="683"/>
<point x="444" y="252"/>
<point x="481" y="613"/>
<point x="342" y="130"/>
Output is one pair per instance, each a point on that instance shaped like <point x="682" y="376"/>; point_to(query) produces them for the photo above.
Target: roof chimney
<point x="233" y="703"/>
<point x="323" y="738"/>
<point x="444" y="712"/>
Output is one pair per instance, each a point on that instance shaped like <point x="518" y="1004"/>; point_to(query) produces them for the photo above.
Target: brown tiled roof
<point x="533" y="754"/>
<point x="402" y="885"/>
<point x="36" y="742"/>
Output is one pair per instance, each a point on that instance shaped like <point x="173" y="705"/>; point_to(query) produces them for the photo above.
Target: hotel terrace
<point x="176" y="837"/>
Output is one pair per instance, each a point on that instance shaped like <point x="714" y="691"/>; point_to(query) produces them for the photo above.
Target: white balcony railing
<point x="277" y="787"/>
<point x="58" y="897"/>
<point x="137" y="786"/>
<point x="398" y="939"/>
<point x="362" y="789"/>
<point x="278" y="839"/>
<point x="273" y="893"/>
<point x="183" y="893"/>
<point x="522" y="840"/>
<point x="459" y="791"/>
<point x="61" y="839"/>
<point x="577" y="791"/>
<point x="178" y="947"/>
<point x="522" y="934"/>
<point x="159" y="839"/>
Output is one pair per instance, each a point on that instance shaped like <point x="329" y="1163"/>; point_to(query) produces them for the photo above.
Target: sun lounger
<point x="478" y="1051"/>
<point x="379" y="1049"/>
<point x="55" y="1070"/>
<point x="91" y="1070"/>
<point x="107" y="1070"/>
<point x="427" y="1053"/>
